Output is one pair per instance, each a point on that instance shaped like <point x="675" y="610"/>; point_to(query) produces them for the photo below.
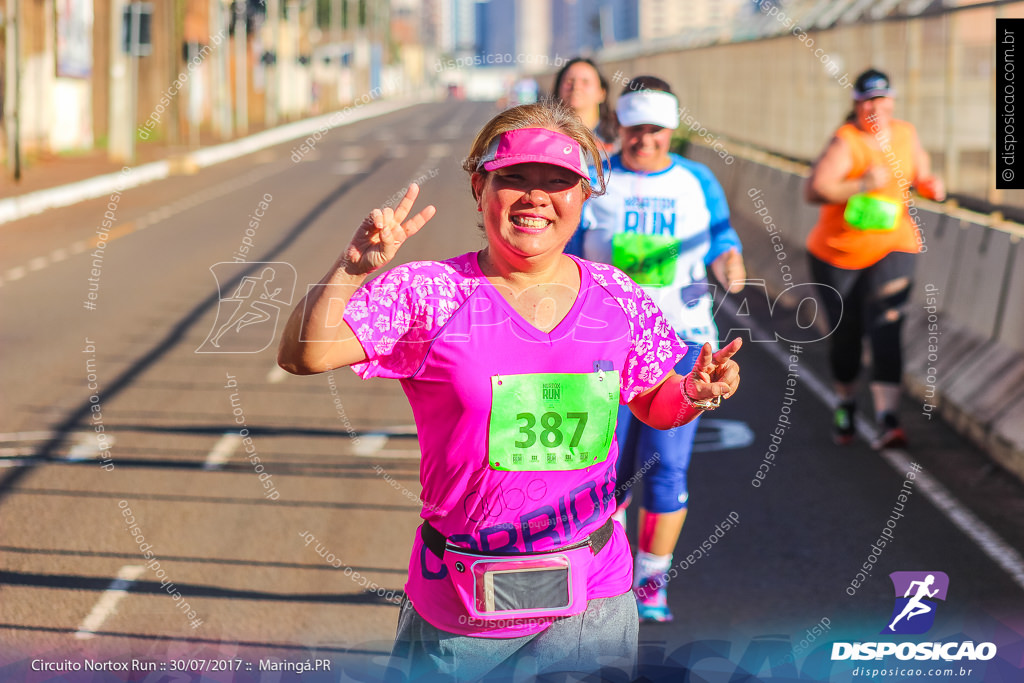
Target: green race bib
<point x="867" y="212"/>
<point x="648" y="259"/>
<point x="552" y="421"/>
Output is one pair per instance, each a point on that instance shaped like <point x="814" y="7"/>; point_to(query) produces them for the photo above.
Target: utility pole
<point x="336" y="22"/>
<point x="219" y="77"/>
<point x="132" y="40"/>
<point x="297" y="103"/>
<point x="134" y="32"/>
<point x="241" y="67"/>
<point x="271" y="89"/>
<point x="195" y="112"/>
<point x="12" y="85"/>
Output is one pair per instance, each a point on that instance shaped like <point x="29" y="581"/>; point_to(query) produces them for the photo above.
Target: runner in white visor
<point x="664" y="221"/>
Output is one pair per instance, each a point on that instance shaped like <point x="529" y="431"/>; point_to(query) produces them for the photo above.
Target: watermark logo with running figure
<point x="916" y="593"/>
<point x="251" y="298"/>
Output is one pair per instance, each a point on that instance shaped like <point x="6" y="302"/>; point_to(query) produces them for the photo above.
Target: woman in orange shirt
<point x="863" y="246"/>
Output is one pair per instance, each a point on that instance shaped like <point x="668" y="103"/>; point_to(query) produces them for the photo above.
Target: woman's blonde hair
<point x="551" y="114"/>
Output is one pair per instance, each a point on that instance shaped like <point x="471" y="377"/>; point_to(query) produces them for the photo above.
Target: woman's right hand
<point x="382" y="233"/>
<point x="875" y="177"/>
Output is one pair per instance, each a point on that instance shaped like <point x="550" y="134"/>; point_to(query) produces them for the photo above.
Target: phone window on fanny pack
<point x="525" y="589"/>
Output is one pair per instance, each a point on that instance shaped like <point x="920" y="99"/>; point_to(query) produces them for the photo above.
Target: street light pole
<point x="12" y="96"/>
<point x="241" y="67"/>
<point x="271" y="89"/>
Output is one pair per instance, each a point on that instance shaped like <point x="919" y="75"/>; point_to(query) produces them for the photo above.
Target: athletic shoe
<point x="891" y="434"/>
<point x="843" y="428"/>
<point x="652" y="599"/>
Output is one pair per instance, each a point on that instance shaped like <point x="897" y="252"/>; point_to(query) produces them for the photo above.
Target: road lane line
<point x="27" y="436"/>
<point x="87" y="447"/>
<point x="132" y="226"/>
<point x="222" y="451"/>
<point x="368" y="445"/>
<point x="438" y="151"/>
<point x="276" y="375"/>
<point x="118" y="231"/>
<point x="990" y="543"/>
<point x="107" y="603"/>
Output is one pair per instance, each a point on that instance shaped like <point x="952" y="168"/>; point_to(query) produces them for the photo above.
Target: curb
<point x="24" y="205"/>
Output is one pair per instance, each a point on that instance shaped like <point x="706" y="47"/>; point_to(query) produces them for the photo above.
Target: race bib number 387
<point x="552" y="421"/>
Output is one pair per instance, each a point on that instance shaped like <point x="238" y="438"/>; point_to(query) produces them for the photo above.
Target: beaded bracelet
<point x="699" y="404"/>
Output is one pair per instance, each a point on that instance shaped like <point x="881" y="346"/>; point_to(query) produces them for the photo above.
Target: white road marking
<point x="107" y="603"/>
<point x="276" y="375"/>
<point x="26" y="436"/>
<point x="87" y="447"/>
<point x="222" y="451"/>
<point x="390" y="454"/>
<point x="152" y="218"/>
<point x="722" y="435"/>
<point x="438" y="151"/>
<point x="990" y="543"/>
<point x="368" y="445"/>
<point x="347" y="168"/>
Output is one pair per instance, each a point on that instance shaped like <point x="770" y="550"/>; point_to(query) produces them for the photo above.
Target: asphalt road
<point x="137" y="525"/>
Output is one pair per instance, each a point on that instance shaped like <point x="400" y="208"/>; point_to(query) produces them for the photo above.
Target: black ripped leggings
<point x="872" y="303"/>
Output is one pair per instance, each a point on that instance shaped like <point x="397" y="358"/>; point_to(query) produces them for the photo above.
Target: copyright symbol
<point x="1007" y="174"/>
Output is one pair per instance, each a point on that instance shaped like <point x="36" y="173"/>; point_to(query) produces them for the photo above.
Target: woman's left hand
<point x="729" y="269"/>
<point x="714" y="374"/>
<point x="931" y="188"/>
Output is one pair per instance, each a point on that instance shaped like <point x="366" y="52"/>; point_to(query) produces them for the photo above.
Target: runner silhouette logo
<point x="916" y="596"/>
<point x="251" y="298"/>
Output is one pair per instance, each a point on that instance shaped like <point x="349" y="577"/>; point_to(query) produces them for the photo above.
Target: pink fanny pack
<point x="523" y="585"/>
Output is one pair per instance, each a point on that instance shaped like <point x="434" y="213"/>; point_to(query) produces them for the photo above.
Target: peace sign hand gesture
<point x="714" y="376"/>
<point x="383" y="232"/>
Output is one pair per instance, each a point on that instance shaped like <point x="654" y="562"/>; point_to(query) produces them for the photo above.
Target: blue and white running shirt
<point x="664" y="229"/>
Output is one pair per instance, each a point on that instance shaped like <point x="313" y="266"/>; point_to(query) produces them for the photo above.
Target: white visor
<point x="648" y="106"/>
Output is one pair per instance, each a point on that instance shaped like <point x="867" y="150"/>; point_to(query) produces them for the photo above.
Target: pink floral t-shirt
<point x="444" y="331"/>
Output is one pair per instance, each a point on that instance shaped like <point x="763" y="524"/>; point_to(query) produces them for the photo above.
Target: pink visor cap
<point x="534" y="145"/>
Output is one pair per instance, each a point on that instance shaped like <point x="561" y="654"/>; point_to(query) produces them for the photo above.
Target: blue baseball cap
<point x="871" y="83"/>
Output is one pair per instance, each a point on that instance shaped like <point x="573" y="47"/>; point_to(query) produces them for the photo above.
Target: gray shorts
<point x="602" y="638"/>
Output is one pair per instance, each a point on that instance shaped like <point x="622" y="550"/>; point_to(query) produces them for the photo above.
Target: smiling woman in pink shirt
<point x="514" y="360"/>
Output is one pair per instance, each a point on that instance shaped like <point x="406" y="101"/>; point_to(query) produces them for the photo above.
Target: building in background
<point x="464" y="27"/>
<point x="210" y="69"/>
<point x="576" y="27"/>
<point x="494" y="20"/>
<point x="533" y="32"/>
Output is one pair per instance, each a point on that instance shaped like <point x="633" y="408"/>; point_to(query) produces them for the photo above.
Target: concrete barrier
<point x="1011" y="325"/>
<point x="934" y="271"/>
<point x="964" y="333"/>
<point x="1006" y="443"/>
<point x="977" y="283"/>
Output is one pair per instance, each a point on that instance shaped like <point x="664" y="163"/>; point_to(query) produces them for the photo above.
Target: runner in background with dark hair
<point x="582" y="86"/>
<point x="863" y="247"/>
<point x="664" y="221"/>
